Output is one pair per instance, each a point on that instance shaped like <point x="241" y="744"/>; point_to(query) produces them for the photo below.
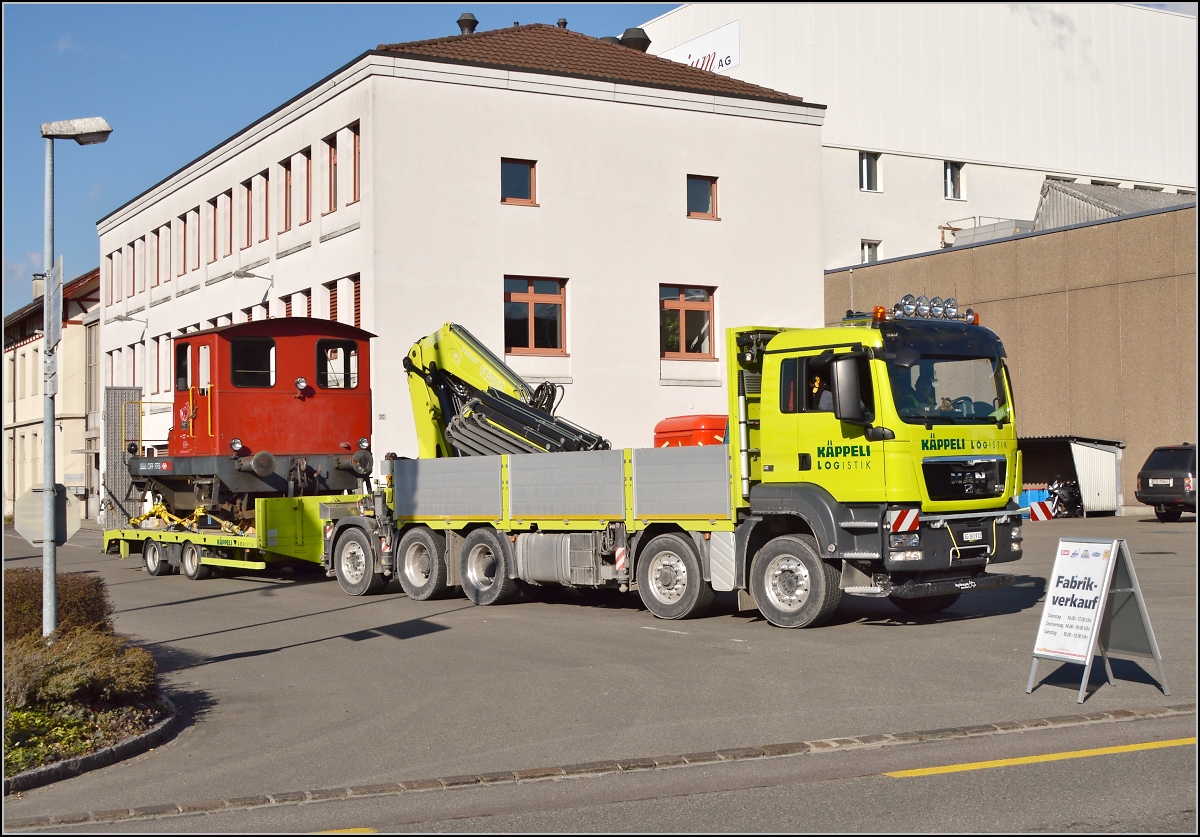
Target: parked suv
<point x="1168" y="481"/>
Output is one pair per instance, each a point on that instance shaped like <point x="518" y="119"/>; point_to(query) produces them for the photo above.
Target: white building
<point x="953" y="114"/>
<point x="470" y="179"/>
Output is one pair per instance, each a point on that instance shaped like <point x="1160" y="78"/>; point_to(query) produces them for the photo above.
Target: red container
<point x="681" y="431"/>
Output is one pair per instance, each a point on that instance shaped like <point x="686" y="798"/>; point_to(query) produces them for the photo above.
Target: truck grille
<point x="964" y="478"/>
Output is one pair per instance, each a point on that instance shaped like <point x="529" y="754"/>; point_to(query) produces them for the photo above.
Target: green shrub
<point x="82" y="599"/>
<point x="77" y="666"/>
<point x="33" y="737"/>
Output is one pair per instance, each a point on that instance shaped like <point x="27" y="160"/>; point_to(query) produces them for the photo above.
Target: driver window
<point x="804" y="386"/>
<point x="183" y="367"/>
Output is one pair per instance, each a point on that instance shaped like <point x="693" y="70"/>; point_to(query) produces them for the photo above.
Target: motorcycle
<point x="1065" y="499"/>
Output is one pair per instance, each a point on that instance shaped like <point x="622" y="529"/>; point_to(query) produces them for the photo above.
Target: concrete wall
<point x="1099" y="322"/>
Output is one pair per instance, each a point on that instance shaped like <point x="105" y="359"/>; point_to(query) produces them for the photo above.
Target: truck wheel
<point x="670" y="580"/>
<point x="354" y="564"/>
<point x="156" y="561"/>
<point x="483" y="568"/>
<point x="421" y="565"/>
<point x="1167" y="515"/>
<point x="927" y="604"/>
<point x="792" y="586"/>
<point x="189" y="562"/>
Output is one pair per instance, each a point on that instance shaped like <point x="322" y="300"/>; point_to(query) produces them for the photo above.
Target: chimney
<point x="562" y="23"/>
<point x="635" y="39"/>
<point x="39" y="286"/>
<point x="467" y="23"/>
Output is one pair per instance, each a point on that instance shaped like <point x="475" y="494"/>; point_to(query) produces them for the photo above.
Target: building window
<point x="35" y="364"/>
<point x="114" y="276"/>
<point x="356" y="168"/>
<point x="518" y="182"/>
<point x="701" y="197"/>
<point x="92" y="374"/>
<point x="287" y="306"/>
<point x="228" y="206"/>
<point x="248" y="209"/>
<point x="685" y="317"/>
<point x="307" y="295"/>
<point x="214" y="224"/>
<point x="868" y="172"/>
<point x="193" y="221"/>
<point x="331" y="288"/>
<point x="164" y="252"/>
<point x="533" y="316"/>
<point x="953" y="180"/>
<point x="128" y="264"/>
<point x="307" y="155"/>
<point x="356" y="285"/>
<point x="266" y="204"/>
<point x="870" y="252"/>
<point x="285" y="217"/>
<point x="331" y="169"/>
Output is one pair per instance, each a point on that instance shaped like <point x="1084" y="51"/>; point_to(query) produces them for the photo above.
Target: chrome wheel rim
<point x="417" y="564"/>
<point x="481" y="567"/>
<point x="152" y="556"/>
<point x="190" y="559"/>
<point x="668" y="577"/>
<point x="353" y="562"/>
<point x="788" y="583"/>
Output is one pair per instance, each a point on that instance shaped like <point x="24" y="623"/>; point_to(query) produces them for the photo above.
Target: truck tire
<point x="483" y="568"/>
<point x="189" y="563"/>
<point x="421" y="565"/>
<point x="155" y="559"/>
<point x="791" y="585"/>
<point x="670" y="580"/>
<point x="354" y="564"/>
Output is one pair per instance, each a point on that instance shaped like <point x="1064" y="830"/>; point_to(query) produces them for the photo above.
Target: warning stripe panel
<point x="1040" y="510"/>
<point x="905" y="520"/>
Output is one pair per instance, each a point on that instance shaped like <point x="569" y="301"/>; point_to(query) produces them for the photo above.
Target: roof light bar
<point x="922" y="306"/>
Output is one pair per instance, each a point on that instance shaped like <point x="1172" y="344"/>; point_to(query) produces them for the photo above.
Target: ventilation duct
<point x="635" y="39"/>
<point x="467" y="23"/>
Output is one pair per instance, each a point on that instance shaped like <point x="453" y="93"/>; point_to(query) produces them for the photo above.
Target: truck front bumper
<point x="922" y="589"/>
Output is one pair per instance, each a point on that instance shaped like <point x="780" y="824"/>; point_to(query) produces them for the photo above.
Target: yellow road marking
<point x="348" y="831"/>
<point x="1076" y="754"/>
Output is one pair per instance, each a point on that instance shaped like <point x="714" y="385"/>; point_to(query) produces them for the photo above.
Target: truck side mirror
<point x="846" y="404"/>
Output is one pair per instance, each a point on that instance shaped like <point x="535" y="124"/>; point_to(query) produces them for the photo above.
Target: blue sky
<point x="176" y="80"/>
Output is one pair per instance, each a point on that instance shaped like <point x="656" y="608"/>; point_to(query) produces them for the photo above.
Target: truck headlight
<point x="908" y="539"/>
<point x="1016" y="533"/>
<point x="908" y="555"/>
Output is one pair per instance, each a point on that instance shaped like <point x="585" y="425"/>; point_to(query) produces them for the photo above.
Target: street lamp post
<point x="245" y="274"/>
<point x="88" y="131"/>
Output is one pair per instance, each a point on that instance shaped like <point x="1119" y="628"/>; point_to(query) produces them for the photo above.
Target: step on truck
<point x="874" y="458"/>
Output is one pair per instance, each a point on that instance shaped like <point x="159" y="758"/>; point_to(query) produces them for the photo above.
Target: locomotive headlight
<point x="235" y="445"/>
<point x="301" y="384"/>
<point x="364" y="443"/>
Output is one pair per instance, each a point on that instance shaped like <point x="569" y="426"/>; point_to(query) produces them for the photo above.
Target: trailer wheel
<point x="189" y="562"/>
<point x="926" y="604"/>
<point x="483" y="568"/>
<point x="354" y="564"/>
<point x="792" y="586"/>
<point x="155" y="559"/>
<point x="670" y="580"/>
<point x="421" y="565"/>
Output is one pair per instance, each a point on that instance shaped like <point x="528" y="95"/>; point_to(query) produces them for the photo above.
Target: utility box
<point x="685" y="431"/>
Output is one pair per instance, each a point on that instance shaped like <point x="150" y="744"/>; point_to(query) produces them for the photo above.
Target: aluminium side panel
<point x="681" y="482"/>
<point x="585" y="484"/>
<point x="461" y="487"/>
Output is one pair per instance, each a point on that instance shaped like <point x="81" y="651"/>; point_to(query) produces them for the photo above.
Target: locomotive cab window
<point x="337" y="364"/>
<point x="252" y="362"/>
<point x="183" y="367"/>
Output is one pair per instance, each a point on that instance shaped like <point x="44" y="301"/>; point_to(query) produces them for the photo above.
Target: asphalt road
<point x="288" y="685"/>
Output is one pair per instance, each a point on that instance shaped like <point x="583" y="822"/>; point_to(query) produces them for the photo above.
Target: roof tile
<point x="539" y="47"/>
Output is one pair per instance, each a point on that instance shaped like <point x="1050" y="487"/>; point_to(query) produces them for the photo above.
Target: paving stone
<point x="59" y="819"/>
<point x="290" y="796"/>
<point x="537" y="773"/>
<point x="247" y="801"/>
<point x="701" y="758"/>
<point x="154" y="810"/>
<point x="420" y="784"/>
<point x="114" y="814"/>
<point x="498" y="776"/>
<point x="793" y="749"/>
<point x="591" y="767"/>
<point x="459" y="781"/>
<point x="203" y="805"/>
<point x="669" y="761"/>
<point x="636" y="764"/>
<point x="368" y="790"/>
<point x="872" y="739"/>
<point x="327" y="793"/>
<point x="740" y="753"/>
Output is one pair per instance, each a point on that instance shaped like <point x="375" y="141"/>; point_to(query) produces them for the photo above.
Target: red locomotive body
<point x="279" y="407"/>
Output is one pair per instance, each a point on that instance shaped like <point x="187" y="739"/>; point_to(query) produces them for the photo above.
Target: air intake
<point x="635" y="39"/>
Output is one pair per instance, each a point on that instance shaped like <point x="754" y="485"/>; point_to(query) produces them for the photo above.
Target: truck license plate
<point x="1160" y="482"/>
<point x="971" y="537"/>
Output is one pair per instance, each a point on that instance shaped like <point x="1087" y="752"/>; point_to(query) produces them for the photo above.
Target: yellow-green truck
<point x="875" y="458"/>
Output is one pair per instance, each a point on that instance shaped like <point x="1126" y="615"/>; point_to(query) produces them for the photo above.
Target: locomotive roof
<point x="284" y="327"/>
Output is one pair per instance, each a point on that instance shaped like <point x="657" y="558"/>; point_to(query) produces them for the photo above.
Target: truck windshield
<point x="950" y="390"/>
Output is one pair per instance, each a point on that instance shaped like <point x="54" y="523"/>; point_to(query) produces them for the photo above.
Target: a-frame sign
<point x="1094" y="603"/>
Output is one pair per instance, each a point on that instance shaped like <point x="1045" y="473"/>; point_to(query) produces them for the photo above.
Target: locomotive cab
<point x="273" y="408"/>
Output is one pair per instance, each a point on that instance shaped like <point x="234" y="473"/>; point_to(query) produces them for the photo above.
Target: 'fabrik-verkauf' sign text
<point x="717" y="51"/>
<point x="1074" y="601"/>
